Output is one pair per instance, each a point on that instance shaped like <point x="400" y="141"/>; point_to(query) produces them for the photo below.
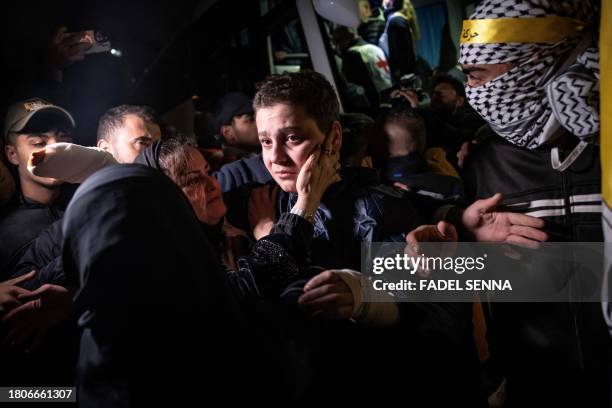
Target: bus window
<point x="286" y="45"/>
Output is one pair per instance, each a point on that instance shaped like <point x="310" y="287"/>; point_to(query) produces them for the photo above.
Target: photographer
<point x="449" y="119"/>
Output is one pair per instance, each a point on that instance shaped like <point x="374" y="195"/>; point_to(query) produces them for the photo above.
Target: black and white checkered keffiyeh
<point x="551" y="87"/>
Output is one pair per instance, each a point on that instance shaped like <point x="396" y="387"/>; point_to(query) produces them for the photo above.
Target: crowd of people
<point x="150" y="269"/>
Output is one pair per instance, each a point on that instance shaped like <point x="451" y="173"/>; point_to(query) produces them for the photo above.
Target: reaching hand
<point x="328" y="295"/>
<point x="488" y="225"/>
<point x="65" y="48"/>
<point x="10" y="292"/>
<point x="262" y="210"/>
<point x="441" y="232"/>
<point x="42" y="309"/>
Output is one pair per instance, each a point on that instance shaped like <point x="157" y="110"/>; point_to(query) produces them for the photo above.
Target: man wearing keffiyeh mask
<point x="533" y="70"/>
<point x="533" y="75"/>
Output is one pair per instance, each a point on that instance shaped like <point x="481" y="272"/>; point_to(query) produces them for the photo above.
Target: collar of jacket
<point x="402" y="166"/>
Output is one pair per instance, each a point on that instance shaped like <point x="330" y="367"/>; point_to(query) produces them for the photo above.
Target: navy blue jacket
<point x="241" y="172"/>
<point x="354" y="210"/>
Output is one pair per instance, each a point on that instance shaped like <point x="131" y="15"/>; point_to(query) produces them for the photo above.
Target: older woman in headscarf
<point x="276" y="258"/>
<point x="286" y="244"/>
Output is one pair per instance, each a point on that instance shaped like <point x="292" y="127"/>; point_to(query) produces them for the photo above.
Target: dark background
<point x="171" y="50"/>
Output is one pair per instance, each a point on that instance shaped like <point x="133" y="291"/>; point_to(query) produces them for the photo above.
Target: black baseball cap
<point x="230" y="105"/>
<point x="36" y="115"/>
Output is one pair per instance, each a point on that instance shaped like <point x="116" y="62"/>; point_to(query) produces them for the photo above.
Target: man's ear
<point x="11" y="154"/>
<point x="337" y="135"/>
<point x="103" y="144"/>
<point x="460" y="101"/>
<point x="228" y="134"/>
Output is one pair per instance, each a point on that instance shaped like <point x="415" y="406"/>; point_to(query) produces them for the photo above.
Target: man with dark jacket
<point x="30" y="125"/>
<point x="450" y="120"/>
<point x="559" y="353"/>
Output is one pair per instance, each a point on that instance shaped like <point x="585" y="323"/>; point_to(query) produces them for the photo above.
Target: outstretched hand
<point x="488" y="225"/>
<point x="10" y="292"/>
<point x="327" y="295"/>
<point x="40" y="310"/>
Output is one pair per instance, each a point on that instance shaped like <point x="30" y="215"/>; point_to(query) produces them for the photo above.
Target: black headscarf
<point x="154" y="307"/>
<point x="150" y="156"/>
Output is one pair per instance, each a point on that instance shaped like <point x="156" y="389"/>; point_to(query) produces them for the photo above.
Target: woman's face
<point x="202" y="189"/>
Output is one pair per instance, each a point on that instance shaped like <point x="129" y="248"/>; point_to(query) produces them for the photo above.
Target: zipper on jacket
<point x="573" y="306"/>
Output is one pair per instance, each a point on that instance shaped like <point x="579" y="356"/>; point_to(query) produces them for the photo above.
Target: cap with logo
<point x="36" y="116"/>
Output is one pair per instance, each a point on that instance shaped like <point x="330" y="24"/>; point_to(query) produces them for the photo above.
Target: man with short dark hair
<point x="126" y="130"/>
<point x="448" y="94"/>
<point x="29" y="126"/>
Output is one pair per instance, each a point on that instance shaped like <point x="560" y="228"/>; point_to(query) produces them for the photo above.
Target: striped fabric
<point x="556" y="207"/>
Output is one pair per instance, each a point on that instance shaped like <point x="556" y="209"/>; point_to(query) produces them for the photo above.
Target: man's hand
<point x="65" y="48"/>
<point x="327" y="295"/>
<point x="410" y="96"/>
<point x="320" y="171"/>
<point x="488" y="225"/>
<point x="41" y="310"/>
<point x="441" y="232"/>
<point x="262" y="210"/>
<point x="10" y="292"/>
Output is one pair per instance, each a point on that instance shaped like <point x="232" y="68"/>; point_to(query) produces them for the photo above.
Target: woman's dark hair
<point x="174" y="158"/>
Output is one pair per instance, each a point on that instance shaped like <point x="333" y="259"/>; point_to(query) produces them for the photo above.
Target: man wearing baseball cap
<point x="236" y="126"/>
<point x="29" y="126"/>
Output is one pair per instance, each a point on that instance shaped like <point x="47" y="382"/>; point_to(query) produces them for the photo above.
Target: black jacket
<point x="372" y="29"/>
<point x="155" y="310"/>
<point x="354" y="210"/>
<point x="402" y="55"/>
<point x="21" y="223"/>
<point x="355" y="71"/>
<point x="241" y="172"/>
<point x="412" y="171"/>
<point x="450" y="131"/>
<point x="551" y="353"/>
<point x="43" y="255"/>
